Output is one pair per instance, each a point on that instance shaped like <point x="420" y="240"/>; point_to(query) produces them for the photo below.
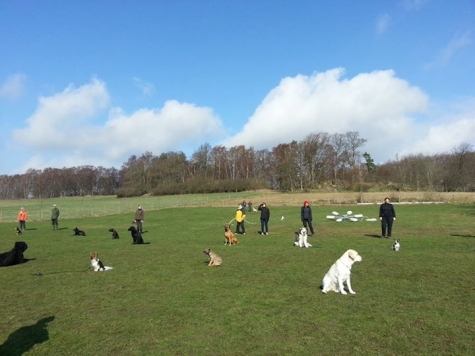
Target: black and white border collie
<point x="97" y="264"/>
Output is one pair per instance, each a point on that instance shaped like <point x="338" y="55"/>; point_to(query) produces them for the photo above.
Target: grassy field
<point x="162" y="299"/>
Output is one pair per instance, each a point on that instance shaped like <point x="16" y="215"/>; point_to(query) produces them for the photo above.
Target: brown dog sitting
<point x="230" y="238"/>
<point x="214" y="259"/>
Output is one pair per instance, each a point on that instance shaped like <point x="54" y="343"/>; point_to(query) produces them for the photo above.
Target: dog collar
<point x="349" y="269"/>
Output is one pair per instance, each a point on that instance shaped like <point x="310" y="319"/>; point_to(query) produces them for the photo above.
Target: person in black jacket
<point x="265" y="216"/>
<point x="306" y="217"/>
<point x="387" y="215"/>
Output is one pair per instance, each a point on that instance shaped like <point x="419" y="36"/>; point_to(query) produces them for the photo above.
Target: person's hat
<point x="140" y="206"/>
<point x="54" y="205"/>
<point x="240" y="206"/>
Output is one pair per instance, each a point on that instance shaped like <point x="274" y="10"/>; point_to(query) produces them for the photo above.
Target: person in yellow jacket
<point x="240" y="216"/>
<point x="22" y="217"/>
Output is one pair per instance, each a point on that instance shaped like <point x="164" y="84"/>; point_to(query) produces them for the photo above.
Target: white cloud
<point x="14" y="87"/>
<point x="148" y="89"/>
<point x="377" y="105"/>
<point x="382" y="23"/>
<point x="414" y="5"/>
<point x="448" y="132"/>
<point x="445" y="55"/>
<point x="62" y="132"/>
<point x="58" y="120"/>
<point x="395" y="117"/>
<point x="78" y="127"/>
<point x="172" y="127"/>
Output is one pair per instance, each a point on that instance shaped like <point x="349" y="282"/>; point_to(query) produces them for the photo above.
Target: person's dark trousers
<point x="139" y="225"/>
<point x="54" y="222"/>
<point x="240" y="229"/>
<point x="264" y="226"/>
<point x="308" y="225"/>
<point x="22" y="225"/>
<point x="386" y="226"/>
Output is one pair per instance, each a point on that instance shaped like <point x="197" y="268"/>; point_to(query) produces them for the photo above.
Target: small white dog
<point x="301" y="237"/>
<point x="340" y="272"/>
<point x="396" y="245"/>
<point x="97" y="264"/>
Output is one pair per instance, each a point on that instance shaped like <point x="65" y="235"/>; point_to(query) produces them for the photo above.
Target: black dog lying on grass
<point x="136" y="236"/>
<point x="115" y="234"/>
<point x="15" y="256"/>
<point x="78" y="232"/>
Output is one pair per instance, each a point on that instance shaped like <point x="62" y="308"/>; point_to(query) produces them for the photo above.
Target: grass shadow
<point x="25" y="338"/>
<point x="373" y="235"/>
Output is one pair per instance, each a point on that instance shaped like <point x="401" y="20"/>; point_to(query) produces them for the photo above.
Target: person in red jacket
<point x="306" y="217"/>
<point x="22" y="217"/>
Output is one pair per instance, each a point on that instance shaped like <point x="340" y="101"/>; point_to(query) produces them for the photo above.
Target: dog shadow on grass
<point x="23" y="339"/>
<point x="462" y="235"/>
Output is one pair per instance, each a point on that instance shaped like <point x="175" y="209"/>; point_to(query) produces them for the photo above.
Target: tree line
<point x="319" y="161"/>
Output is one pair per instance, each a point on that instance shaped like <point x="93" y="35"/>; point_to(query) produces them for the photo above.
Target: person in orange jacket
<point x="22" y="217"/>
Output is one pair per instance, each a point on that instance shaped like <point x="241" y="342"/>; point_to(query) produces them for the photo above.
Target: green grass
<point x="161" y="299"/>
<point x="94" y="206"/>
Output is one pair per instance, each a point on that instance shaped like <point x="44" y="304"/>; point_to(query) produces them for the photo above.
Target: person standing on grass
<point x="240" y="217"/>
<point x="55" y="217"/>
<point x="306" y="217"/>
<point x="22" y="217"/>
<point x="387" y="215"/>
<point x="265" y="216"/>
<point x="139" y="218"/>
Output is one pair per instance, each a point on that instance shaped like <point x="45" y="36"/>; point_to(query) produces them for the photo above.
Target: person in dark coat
<point x="387" y="215"/>
<point x="306" y="217"/>
<point x="265" y="216"/>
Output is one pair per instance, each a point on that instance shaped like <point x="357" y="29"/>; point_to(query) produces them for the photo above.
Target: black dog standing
<point x="387" y="215"/>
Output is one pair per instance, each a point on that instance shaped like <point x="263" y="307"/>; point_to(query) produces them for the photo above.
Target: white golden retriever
<point x="340" y="272"/>
<point x="301" y="237"/>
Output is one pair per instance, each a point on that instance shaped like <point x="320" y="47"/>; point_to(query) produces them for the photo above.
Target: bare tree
<point x="287" y="169"/>
<point x="201" y="162"/>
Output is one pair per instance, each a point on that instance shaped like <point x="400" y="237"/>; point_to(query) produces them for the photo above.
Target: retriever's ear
<point x="352" y="254"/>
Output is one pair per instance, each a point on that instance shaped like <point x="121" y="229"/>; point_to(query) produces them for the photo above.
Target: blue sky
<point x="93" y="82"/>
